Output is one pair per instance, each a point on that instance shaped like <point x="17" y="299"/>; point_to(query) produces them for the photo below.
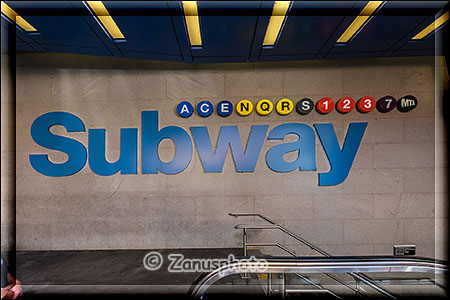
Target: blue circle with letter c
<point x="205" y="109"/>
<point x="185" y="109"/>
<point x="224" y="108"/>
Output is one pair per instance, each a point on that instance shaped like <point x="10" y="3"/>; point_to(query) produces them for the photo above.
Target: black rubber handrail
<point x="309" y="265"/>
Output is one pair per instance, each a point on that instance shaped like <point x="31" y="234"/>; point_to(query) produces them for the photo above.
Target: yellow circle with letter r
<point x="244" y="107"/>
<point x="264" y="107"/>
<point x="284" y="107"/>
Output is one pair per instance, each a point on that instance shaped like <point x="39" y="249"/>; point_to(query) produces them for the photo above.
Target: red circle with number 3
<point x="345" y="105"/>
<point x="325" y="105"/>
<point x="365" y="104"/>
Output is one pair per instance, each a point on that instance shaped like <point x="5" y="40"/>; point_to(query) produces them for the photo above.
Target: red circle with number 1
<point x="325" y="105"/>
<point x="365" y="104"/>
<point x="345" y="105"/>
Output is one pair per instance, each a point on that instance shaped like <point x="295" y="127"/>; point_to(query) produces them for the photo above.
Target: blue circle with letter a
<point x="224" y="108"/>
<point x="185" y="109"/>
<point x="205" y="109"/>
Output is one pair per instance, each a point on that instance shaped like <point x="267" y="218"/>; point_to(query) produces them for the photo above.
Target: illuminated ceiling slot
<point x="432" y="27"/>
<point x="192" y="23"/>
<point x="105" y="20"/>
<point x="360" y="21"/>
<point x="276" y="22"/>
<point x="11" y="15"/>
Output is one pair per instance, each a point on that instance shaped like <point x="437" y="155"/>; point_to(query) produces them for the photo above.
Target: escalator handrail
<point x="308" y="265"/>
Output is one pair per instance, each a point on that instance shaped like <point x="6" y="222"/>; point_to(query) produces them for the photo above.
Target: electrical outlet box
<point x="402" y="250"/>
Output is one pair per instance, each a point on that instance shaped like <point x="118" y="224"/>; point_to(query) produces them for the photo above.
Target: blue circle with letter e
<point x="185" y="109"/>
<point x="205" y="109"/>
<point x="224" y="108"/>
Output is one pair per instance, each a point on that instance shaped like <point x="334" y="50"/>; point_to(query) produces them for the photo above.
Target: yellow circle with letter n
<point x="284" y="106"/>
<point x="264" y="107"/>
<point x="244" y="107"/>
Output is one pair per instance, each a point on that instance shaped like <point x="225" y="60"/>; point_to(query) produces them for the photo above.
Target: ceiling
<point x="232" y="31"/>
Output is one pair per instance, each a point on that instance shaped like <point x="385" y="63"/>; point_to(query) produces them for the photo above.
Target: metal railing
<point x="273" y="225"/>
<point x="277" y="245"/>
<point x="314" y="265"/>
<point x="318" y="286"/>
<point x="276" y="226"/>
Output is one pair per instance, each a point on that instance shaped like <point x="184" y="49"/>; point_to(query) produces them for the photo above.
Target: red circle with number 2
<point x="345" y="105"/>
<point x="365" y="104"/>
<point x="325" y="105"/>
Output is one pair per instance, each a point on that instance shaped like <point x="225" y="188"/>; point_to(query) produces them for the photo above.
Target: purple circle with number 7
<point x="386" y="104"/>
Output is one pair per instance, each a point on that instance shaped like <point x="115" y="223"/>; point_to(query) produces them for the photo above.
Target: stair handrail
<point x="362" y="277"/>
<point x="285" y="230"/>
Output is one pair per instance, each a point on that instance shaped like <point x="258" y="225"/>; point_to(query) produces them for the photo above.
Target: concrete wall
<point x="8" y="157"/>
<point x="388" y="197"/>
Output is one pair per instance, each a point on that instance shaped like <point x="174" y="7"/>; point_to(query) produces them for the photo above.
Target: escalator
<point x="292" y="278"/>
<point x="325" y="276"/>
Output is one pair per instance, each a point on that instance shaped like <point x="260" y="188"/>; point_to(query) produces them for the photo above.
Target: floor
<point x="106" y="272"/>
<point x="101" y="274"/>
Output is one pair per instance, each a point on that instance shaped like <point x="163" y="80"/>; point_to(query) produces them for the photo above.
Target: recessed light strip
<point x="360" y="21"/>
<point x="15" y="18"/>
<point x="432" y="27"/>
<point x="192" y="23"/>
<point x="280" y="9"/>
<point x="105" y="20"/>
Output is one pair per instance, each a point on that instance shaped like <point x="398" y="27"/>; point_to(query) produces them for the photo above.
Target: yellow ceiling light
<point x="358" y="23"/>
<point x="432" y="27"/>
<point x="14" y="17"/>
<point x="105" y="20"/>
<point x="192" y="23"/>
<point x="280" y="9"/>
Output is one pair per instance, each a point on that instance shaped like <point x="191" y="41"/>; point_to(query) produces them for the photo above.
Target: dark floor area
<point x="107" y="272"/>
<point x="102" y="274"/>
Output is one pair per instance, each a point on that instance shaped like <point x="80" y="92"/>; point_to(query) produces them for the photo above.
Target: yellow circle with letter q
<point x="244" y="107"/>
<point x="284" y="106"/>
<point x="264" y="107"/>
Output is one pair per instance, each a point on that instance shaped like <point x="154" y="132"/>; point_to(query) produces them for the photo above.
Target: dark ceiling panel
<point x="23" y="41"/>
<point x="410" y="8"/>
<point x="228" y="35"/>
<point x="55" y="29"/>
<point x="232" y="31"/>
<point x="260" y="31"/>
<point x="219" y="59"/>
<point x="21" y="36"/>
<point x="176" y="15"/>
<point x="307" y="34"/>
<point x="350" y="55"/>
<point x="152" y="56"/>
<point x="152" y="33"/>
<point x="60" y="33"/>
<point x="21" y="46"/>
<point x="384" y="30"/>
<point x="407" y="46"/>
<point x="431" y="45"/>
<point x="286" y="57"/>
<point x="95" y="28"/>
<point x="79" y="50"/>
<point x="348" y="19"/>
